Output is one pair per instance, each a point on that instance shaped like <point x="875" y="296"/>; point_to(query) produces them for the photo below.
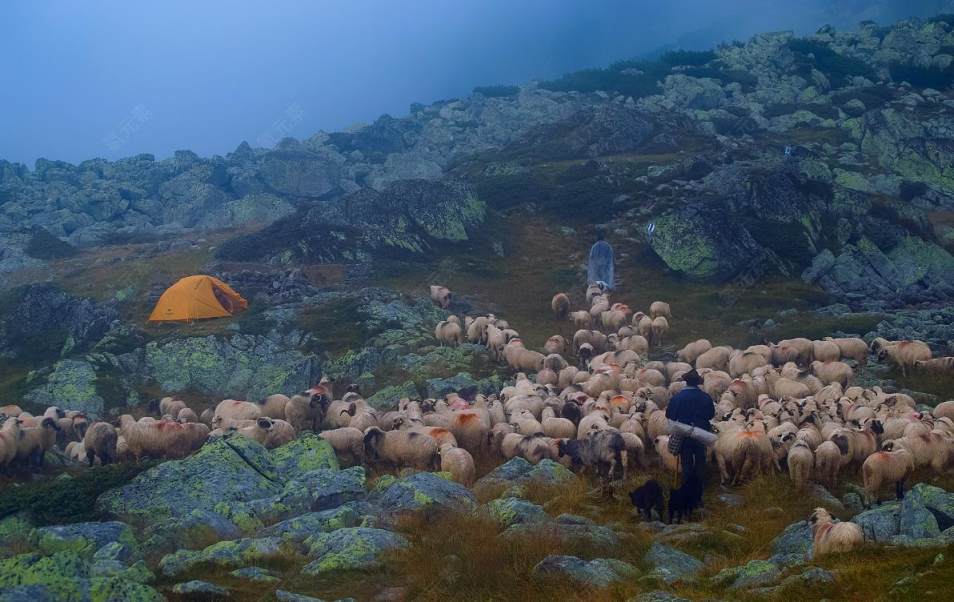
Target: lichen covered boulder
<point x="350" y="549"/>
<point x="755" y="573"/>
<point x="512" y="475"/>
<point x="227" y="554"/>
<point x="231" y="476"/>
<point x="66" y="576"/>
<point x="793" y="545"/>
<point x="600" y="572"/>
<point x="513" y="511"/>
<point x="87" y="538"/>
<point x="423" y="491"/>
<point x="671" y="565"/>
<point x="882" y="523"/>
<point x="302" y="527"/>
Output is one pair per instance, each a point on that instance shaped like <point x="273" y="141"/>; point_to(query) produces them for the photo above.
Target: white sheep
<point x="831" y="537"/>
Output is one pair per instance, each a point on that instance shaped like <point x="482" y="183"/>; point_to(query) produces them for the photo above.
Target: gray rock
<point x="517" y="472"/>
<point x="283" y="596"/>
<point x="302" y="527"/>
<point x="512" y="511"/>
<point x="916" y="521"/>
<point x="201" y="588"/>
<point x="255" y="574"/>
<point x="423" y="491"/>
<point x="880" y="524"/>
<point x="597" y="536"/>
<point x="658" y="596"/>
<point x="600" y="572"/>
<point x="755" y="573"/>
<point x="225" y="554"/>
<point x="796" y="539"/>
<point x="812" y="576"/>
<point x="89" y="538"/>
<point x="672" y="565"/>
<point x="350" y="549"/>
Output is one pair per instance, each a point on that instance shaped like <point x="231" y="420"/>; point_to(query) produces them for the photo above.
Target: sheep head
<point x="264" y="423"/>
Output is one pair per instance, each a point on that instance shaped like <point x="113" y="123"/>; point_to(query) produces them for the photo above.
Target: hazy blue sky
<point x="110" y="78"/>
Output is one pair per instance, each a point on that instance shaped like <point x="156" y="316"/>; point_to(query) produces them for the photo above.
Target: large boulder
<point x="880" y="524"/>
<point x="517" y="472"/>
<point x="307" y="525"/>
<point x="232" y="476"/>
<point x="408" y="218"/>
<point x="793" y="545"/>
<point x="422" y="492"/>
<point x="350" y="549"/>
<point x="65" y="575"/>
<point x="70" y="385"/>
<point x="240" y="366"/>
<point x="600" y="572"/>
<point x="227" y="554"/>
<point x="671" y="565"/>
<point x="515" y="511"/>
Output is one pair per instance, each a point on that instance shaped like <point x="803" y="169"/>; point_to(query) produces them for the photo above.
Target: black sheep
<point x="647" y="497"/>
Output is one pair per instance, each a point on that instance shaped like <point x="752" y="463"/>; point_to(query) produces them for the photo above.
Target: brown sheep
<point x="800" y="462"/>
<point x="833" y="372"/>
<point x="716" y="358"/>
<point x="307" y="410"/>
<point x="161" y="439"/>
<point x="893" y="464"/>
<point x="853" y="348"/>
<point x="448" y="333"/>
<point x="9" y="436"/>
<point x="555" y="345"/>
<point x="581" y="319"/>
<point x="941" y="365"/>
<point x="400" y="449"/>
<point x="35" y="441"/>
<point x="829" y="459"/>
<point x="693" y="350"/>
<point x="441" y="296"/>
<point x="560" y="305"/>
<point x="233" y="409"/>
<point x="904" y="354"/>
<point x="348" y="444"/>
<point x="660" y="327"/>
<point x="459" y="463"/>
<point x="100" y="443"/>
<point x="660" y="308"/>
<point x="825" y="351"/>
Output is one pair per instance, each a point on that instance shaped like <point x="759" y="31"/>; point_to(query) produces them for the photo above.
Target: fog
<point x="112" y="78"/>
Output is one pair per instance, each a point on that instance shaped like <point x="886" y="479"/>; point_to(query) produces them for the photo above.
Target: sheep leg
<point x="899" y="489"/>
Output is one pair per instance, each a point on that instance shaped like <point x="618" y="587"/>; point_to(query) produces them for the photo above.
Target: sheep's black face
<point x="877" y="427"/>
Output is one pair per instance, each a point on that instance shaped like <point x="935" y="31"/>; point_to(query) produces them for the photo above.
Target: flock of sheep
<point x="594" y="403"/>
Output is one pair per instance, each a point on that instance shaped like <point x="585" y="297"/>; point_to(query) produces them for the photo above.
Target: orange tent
<point x="197" y="298"/>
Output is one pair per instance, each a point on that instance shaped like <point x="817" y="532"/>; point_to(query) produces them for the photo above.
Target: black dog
<point x="647" y="497"/>
<point x="684" y="500"/>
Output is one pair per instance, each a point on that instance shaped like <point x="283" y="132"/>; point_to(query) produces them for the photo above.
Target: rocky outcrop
<point x="406" y="218"/>
<point x="241" y="366"/>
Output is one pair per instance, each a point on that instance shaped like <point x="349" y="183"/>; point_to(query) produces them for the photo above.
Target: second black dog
<point x="684" y="500"/>
<point x="647" y="497"/>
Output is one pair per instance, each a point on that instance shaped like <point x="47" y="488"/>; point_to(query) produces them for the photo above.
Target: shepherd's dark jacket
<point x="691" y="406"/>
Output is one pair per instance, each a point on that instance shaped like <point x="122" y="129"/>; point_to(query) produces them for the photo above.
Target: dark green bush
<point x="608" y="80"/>
<point x="44" y="245"/>
<point x="943" y="18"/>
<point x="692" y="58"/>
<point x="836" y="67"/>
<point x="922" y="77"/>
<point x="497" y="91"/>
<point x="57" y="501"/>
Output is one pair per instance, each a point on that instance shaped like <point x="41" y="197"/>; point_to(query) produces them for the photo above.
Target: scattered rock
<point x="226" y="554"/>
<point x="350" y="549"/>
<point x="423" y="491"/>
<point x="255" y="574"/>
<point x="512" y="511"/>
<point x="672" y="565"/>
<point x="200" y="588"/>
<point x="600" y="572"/>
<point x="753" y="574"/>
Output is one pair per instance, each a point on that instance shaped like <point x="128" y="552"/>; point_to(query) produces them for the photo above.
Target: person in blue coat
<point x="692" y="406"/>
<point x="601" y="266"/>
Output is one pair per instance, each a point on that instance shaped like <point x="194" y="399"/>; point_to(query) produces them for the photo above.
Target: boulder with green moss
<point x="350" y="549"/>
<point x="227" y="554"/>
<point x="88" y="538"/>
<point x="600" y="572"/>
<point x="68" y="577"/>
<point x="231" y="476"/>
<point x="422" y="492"/>
<point x="70" y="385"/>
<point x="302" y="527"/>
<point x="240" y="366"/>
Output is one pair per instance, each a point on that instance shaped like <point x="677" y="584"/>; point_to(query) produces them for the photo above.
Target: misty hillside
<point x="345" y="426"/>
<point x="821" y="165"/>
